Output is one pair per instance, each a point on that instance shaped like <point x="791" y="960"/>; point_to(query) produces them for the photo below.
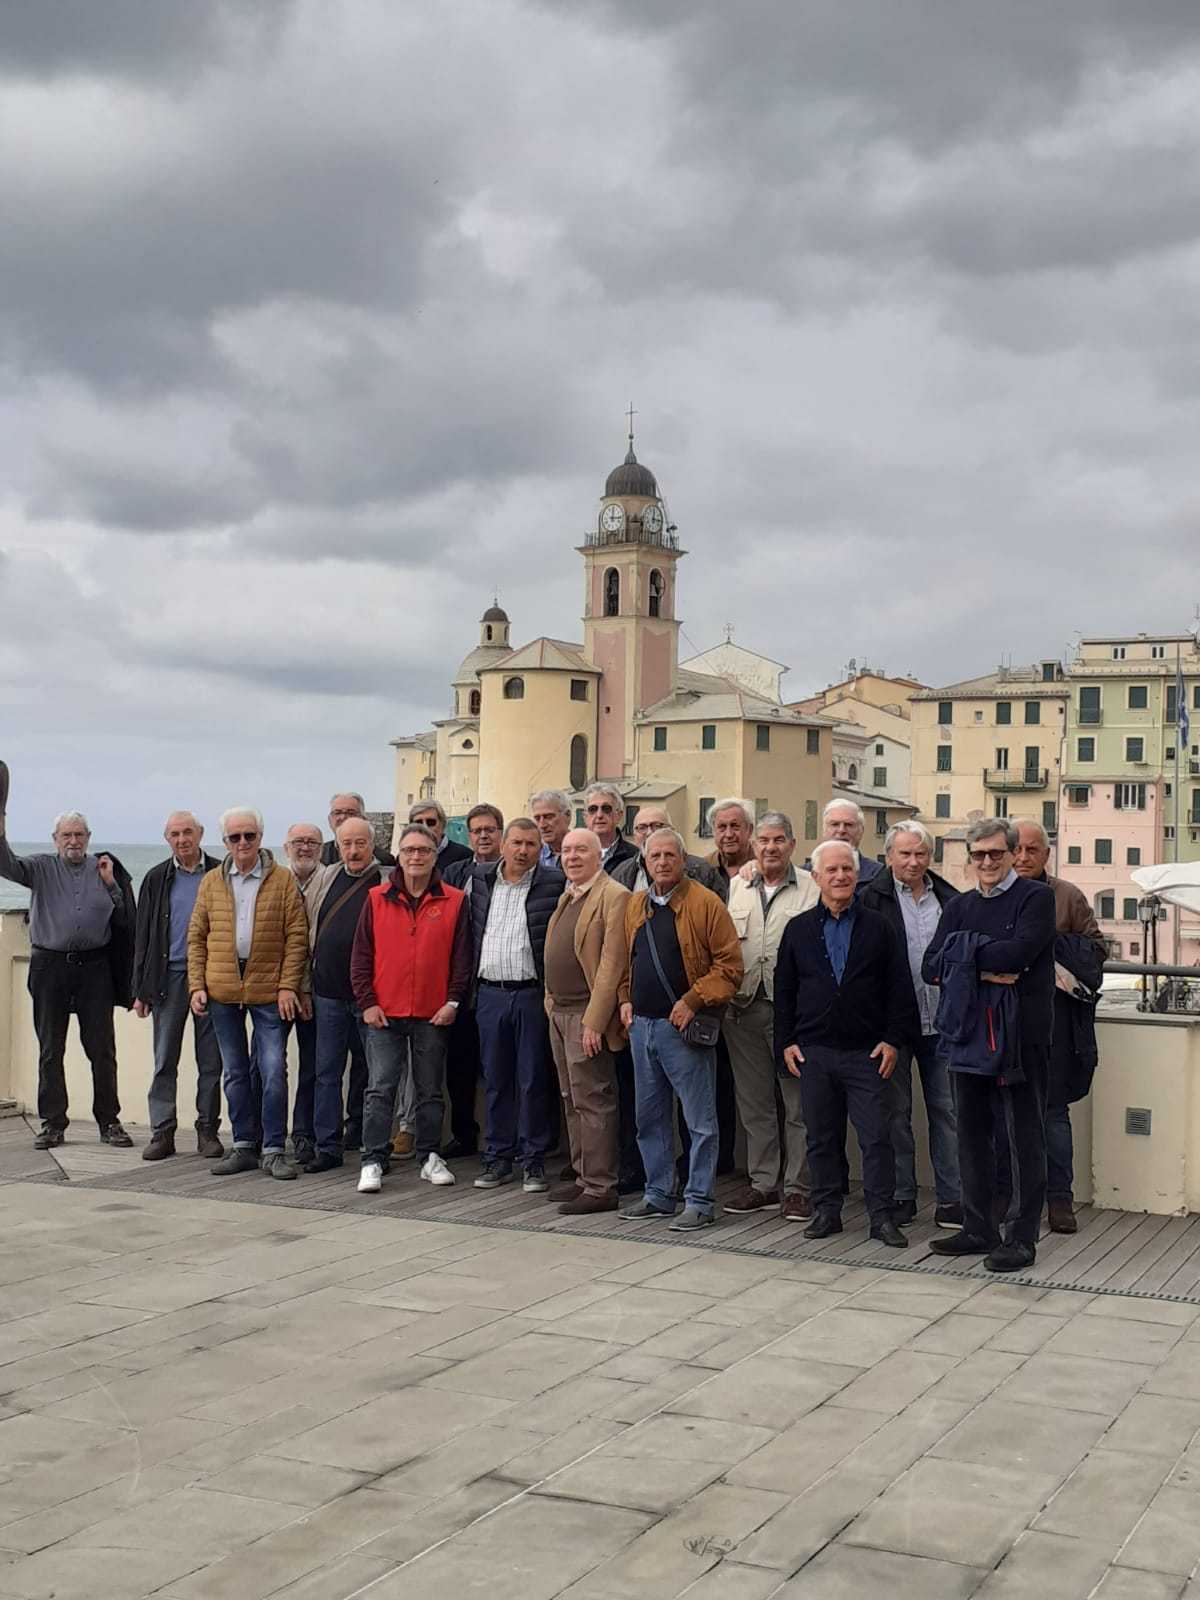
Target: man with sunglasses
<point x="1014" y="919"/>
<point x="429" y="814"/>
<point x="247" y="956"/>
<point x="604" y="812"/>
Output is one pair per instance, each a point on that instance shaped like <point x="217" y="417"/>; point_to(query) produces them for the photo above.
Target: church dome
<point x="494" y="613"/>
<point x="631" y="477"/>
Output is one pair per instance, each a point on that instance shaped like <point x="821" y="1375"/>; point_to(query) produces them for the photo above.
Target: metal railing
<point x="1015" y="777"/>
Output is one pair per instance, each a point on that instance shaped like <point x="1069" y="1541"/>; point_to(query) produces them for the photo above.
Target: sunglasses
<point x="240" y="838"/>
<point x="988" y="855"/>
<point x="600" y="811"/>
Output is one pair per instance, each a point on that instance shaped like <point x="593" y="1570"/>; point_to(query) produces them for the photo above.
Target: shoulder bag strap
<point x="324" y="918"/>
<point x="658" y="966"/>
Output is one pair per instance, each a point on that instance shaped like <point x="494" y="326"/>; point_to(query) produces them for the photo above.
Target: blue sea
<point x="136" y="858"/>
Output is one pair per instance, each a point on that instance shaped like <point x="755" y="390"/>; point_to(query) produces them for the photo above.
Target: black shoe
<point x="888" y="1233"/>
<point x="948" y="1217"/>
<point x="1010" y="1257"/>
<point x="628" y="1186"/>
<point x="904" y="1212"/>
<point x="352" y="1141"/>
<point x="208" y="1145"/>
<point x="960" y="1244"/>
<point x="303" y="1151"/>
<point x="115" y="1134"/>
<point x="322" y="1162"/>
<point x="822" y="1225"/>
<point x="567" y="1174"/>
<point x="456" y="1149"/>
<point x="49" y="1139"/>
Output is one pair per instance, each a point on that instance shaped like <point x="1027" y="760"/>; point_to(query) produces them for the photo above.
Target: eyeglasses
<point x="416" y="850"/>
<point x="988" y="855"/>
<point x="304" y="844"/>
<point x="240" y="838"/>
<point x="600" y="811"/>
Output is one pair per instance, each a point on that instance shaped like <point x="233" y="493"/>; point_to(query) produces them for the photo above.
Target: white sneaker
<point x="370" y="1180"/>
<point x="435" y="1170"/>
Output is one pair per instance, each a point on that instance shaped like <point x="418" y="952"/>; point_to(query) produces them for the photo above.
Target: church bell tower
<point x="630" y="628"/>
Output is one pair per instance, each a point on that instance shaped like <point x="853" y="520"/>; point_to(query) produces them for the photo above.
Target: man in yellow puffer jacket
<point x="247" y="953"/>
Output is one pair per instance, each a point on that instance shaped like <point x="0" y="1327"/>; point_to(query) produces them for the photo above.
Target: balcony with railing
<point x="1007" y="780"/>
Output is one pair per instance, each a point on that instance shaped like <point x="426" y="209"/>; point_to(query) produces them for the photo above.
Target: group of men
<point x="639" y="999"/>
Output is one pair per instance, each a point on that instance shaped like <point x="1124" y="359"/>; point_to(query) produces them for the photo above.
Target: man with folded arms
<point x="585" y="961"/>
<point x="410" y="970"/>
<point x="334" y="911"/>
<point x="843" y="1008"/>
<point x="247" y="957"/>
<point x="160" y="984"/>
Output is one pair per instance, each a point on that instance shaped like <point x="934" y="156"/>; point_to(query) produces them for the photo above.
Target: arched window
<point x="612" y="592"/>
<point x="579" y="772"/>
<point x="852" y="774"/>
<point x="474" y="702"/>
<point x="488" y="632"/>
<point x="514" y="688"/>
<point x="468" y="744"/>
<point x="656" y="593"/>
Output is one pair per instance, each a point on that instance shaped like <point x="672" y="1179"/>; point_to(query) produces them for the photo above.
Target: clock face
<point x="652" y="519"/>
<point x="612" y="519"/>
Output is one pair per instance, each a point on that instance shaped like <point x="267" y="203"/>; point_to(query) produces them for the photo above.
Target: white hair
<point x="1032" y="822"/>
<point x="347" y="821"/>
<point x="552" y="797"/>
<point x="240" y="811"/>
<point x="917" y="829"/>
<point x="350" y="795"/>
<point x="667" y="833"/>
<point x="848" y="805"/>
<point x="70" y="816"/>
<point x="775" y="819"/>
<point x="612" y="794"/>
<point x="834" y="844"/>
<point x="730" y="803"/>
<point x="190" y="815"/>
<point x="435" y="806"/>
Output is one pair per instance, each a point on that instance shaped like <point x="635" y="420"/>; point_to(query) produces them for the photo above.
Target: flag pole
<point x="1181" y="723"/>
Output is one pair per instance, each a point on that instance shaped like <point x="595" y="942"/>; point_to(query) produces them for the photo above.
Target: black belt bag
<point x="704" y="1029"/>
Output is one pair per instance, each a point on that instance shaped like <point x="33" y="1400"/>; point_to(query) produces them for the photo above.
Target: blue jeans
<point x="664" y="1066"/>
<point x="1060" y="1154"/>
<point x="514" y="1054"/>
<point x="387" y="1056"/>
<point x="169" y="1013"/>
<point x="939" y="1112"/>
<point x="229" y="1024"/>
<point x="336" y="1022"/>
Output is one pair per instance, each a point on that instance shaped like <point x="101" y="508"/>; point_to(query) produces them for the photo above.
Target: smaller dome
<point x="631" y="478"/>
<point x="494" y="613"/>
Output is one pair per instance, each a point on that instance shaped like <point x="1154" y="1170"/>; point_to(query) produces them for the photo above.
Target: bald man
<point x="160" y="988"/>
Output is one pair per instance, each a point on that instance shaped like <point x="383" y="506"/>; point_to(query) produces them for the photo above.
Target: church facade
<point x="619" y="706"/>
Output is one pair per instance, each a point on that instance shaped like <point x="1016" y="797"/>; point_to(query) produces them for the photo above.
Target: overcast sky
<point x="318" y="323"/>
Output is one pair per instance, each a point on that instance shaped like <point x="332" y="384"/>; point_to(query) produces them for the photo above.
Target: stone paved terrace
<point x="206" y="1398"/>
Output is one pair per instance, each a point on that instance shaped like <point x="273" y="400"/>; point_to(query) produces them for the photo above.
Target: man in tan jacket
<point x="684" y="968"/>
<point x="248" y="953"/>
<point x="586" y="956"/>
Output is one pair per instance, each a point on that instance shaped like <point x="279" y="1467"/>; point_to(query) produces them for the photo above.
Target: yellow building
<point x="987" y="747"/>
<point x="618" y="706"/>
<point x="878" y="704"/>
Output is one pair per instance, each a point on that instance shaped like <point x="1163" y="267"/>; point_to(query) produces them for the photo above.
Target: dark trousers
<point x="630" y="1172"/>
<point x="58" y="987"/>
<point x="338" y="1114"/>
<point x="306" y="1077"/>
<point x="1002" y="1152"/>
<point x="834" y="1085"/>
<point x="388" y="1051"/>
<point x="514" y="1050"/>
<point x="462" y="1077"/>
<point x="170" y="1013"/>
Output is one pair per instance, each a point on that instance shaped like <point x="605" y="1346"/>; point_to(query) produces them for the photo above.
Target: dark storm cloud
<point x="152" y="39"/>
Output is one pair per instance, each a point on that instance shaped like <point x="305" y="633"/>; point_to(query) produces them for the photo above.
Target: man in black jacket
<point x="485" y="828"/>
<point x="511" y="906"/>
<point x="160" y="984"/>
<point x="1015" y="916"/>
<point x="603" y="813"/>
<point x="430" y="815"/>
<point x="342" y="806"/>
<point x="911" y="897"/>
<point x="843" y="1008"/>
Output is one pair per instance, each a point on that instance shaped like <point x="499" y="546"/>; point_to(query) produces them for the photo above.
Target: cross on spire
<point x="729" y="633"/>
<point x="631" y="413"/>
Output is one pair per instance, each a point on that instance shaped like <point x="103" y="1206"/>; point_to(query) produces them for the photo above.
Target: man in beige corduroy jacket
<point x="248" y="953"/>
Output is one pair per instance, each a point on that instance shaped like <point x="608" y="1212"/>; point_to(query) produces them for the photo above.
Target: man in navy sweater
<point x="1016" y="917"/>
<point x="843" y="1007"/>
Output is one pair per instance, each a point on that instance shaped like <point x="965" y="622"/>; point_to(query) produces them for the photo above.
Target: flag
<point x="1181" y="710"/>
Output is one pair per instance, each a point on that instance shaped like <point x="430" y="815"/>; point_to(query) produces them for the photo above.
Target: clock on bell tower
<point x="630" y="628"/>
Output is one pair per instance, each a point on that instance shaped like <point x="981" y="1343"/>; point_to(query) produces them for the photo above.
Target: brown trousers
<point x="589" y="1096"/>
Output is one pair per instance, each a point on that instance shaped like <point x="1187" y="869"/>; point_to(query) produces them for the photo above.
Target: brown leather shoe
<point x="1062" y="1218"/>
<point x="796" y="1208"/>
<point x="564" y="1191"/>
<point x="587" y="1205"/>
<point x="751" y="1199"/>
<point x="208" y="1145"/>
<point x="160" y="1147"/>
